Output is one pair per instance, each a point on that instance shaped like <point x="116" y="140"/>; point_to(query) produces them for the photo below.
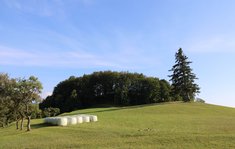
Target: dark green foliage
<point x="36" y="112"/>
<point x="165" y="91"/>
<point x="183" y="80"/>
<point x="29" y="90"/>
<point x="6" y="103"/>
<point x="16" y="100"/>
<point x="47" y="112"/>
<point x="107" y="88"/>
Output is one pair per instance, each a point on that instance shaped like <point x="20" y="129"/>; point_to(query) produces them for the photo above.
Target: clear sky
<point x="55" y="39"/>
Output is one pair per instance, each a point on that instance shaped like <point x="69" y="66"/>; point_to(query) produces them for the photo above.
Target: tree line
<point x="124" y="88"/>
<point x="107" y="88"/>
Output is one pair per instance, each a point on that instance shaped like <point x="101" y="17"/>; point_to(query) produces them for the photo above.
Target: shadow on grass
<point x="106" y="110"/>
<point x="125" y="107"/>
<point x="41" y="125"/>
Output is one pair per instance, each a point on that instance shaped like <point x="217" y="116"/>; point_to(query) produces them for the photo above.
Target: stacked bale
<point x="70" y="120"/>
<point x="85" y="118"/>
<point x="93" y="118"/>
<point x="62" y="121"/>
<point x="79" y="119"/>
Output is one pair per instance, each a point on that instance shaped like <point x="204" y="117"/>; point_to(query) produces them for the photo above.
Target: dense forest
<point x="107" y="88"/>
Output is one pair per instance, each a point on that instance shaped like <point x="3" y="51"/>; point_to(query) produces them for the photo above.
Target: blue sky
<point x="55" y="39"/>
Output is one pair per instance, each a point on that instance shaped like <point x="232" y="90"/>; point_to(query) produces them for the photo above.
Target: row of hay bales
<point x="70" y="120"/>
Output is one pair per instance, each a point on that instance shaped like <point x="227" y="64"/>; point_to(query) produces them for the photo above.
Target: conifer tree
<point x="183" y="79"/>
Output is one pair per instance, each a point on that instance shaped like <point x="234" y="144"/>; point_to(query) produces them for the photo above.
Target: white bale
<point x="93" y="118"/>
<point x="53" y="120"/>
<point x="72" y="120"/>
<point x="49" y="120"/>
<point x="85" y="118"/>
<point x="46" y="120"/>
<point x="62" y="121"/>
<point x="79" y="119"/>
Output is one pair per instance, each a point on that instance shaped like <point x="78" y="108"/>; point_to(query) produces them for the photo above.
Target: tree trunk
<point x="17" y="124"/>
<point x="22" y="123"/>
<point x="7" y="122"/>
<point x="28" y="123"/>
<point x="28" y="117"/>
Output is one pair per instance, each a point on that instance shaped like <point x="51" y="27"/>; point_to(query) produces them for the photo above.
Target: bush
<point x="48" y="112"/>
<point x="200" y="100"/>
<point x="36" y="114"/>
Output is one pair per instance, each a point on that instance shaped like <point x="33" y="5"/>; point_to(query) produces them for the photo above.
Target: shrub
<point x="199" y="100"/>
<point x="48" y="112"/>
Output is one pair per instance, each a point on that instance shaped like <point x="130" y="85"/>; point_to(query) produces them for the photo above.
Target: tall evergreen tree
<point x="183" y="80"/>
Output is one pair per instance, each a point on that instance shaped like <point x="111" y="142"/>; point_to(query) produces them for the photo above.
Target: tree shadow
<point x="105" y="110"/>
<point x="127" y="107"/>
<point x="41" y="125"/>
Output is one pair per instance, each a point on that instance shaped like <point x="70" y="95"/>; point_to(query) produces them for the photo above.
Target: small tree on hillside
<point x="183" y="80"/>
<point x="30" y="90"/>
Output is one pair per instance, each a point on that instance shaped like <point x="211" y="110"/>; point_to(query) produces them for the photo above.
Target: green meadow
<point x="170" y="125"/>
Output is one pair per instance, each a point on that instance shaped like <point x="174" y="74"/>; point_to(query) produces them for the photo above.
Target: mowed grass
<point x="169" y="125"/>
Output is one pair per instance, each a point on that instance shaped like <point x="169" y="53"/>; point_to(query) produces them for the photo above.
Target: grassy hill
<point x="169" y="125"/>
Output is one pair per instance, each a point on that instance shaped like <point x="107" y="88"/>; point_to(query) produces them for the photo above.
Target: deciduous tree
<point x="30" y="90"/>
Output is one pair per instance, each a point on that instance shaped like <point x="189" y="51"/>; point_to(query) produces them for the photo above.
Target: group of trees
<point x="123" y="88"/>
<point x="17" y="98"/>
<point x="112" y="88"/>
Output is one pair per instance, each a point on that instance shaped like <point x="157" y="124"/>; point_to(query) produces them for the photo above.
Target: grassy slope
<point x="171" y="125"/>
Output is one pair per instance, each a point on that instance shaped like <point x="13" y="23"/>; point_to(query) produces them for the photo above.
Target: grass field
<point x="169" y="125"/>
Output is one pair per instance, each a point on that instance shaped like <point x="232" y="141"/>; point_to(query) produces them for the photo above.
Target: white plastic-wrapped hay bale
<point x="48" y="120"/>
<point x="45" y="120"/>
<point x="71" y="120"/>
<point x="85" y="118"/>
<point x="93" y="118"/>
<point x="51" y="120"/>
<point x="62" y="121"/>
<point x="79" y="119"/>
